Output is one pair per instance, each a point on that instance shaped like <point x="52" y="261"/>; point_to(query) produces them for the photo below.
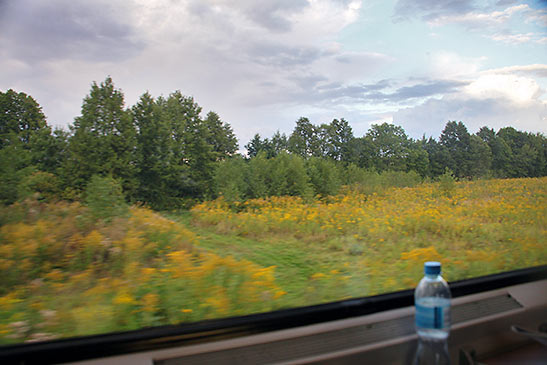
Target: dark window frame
<point x="161" y="337"/>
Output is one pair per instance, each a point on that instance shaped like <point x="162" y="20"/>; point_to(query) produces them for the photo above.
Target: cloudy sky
<point x="263" y="64"/>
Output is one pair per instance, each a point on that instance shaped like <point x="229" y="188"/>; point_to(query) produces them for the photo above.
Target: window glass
<point x="244" y="157"/>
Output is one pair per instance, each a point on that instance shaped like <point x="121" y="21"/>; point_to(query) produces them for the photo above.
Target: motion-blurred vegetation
<point x="319" y="215"/>
<point x="67" y="272"/>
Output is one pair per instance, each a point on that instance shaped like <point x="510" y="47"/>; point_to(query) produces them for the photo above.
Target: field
<point x="68" y="273"/>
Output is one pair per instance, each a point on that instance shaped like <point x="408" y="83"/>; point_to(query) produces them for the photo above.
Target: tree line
<point x="164" y="153"/>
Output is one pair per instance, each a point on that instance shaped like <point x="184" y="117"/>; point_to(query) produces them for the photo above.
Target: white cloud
<point x="518" y="89"/>
<point x="538" y="16"/>
<point x="512" y="38"/>
<point x="478" y="19"/>
<point x="452" y="65"/>
<point x="537" y="70"/>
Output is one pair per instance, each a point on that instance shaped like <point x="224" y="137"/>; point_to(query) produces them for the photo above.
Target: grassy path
<point x="303" y="269"/>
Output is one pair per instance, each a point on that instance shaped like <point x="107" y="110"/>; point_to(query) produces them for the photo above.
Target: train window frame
<point x="77" y="349"/>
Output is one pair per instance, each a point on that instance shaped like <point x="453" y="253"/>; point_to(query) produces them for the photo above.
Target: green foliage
<point x="166" y="155"/>
<point x="46" y="186"/>
<point x="104" y="198"/>
<point x="153" y="153"/>
<point x="370" y="182"/>
<point x="288" y="176"/>
<point x="324" y="176"/>
<point x="20" y="117"/>
<point x="220" y="136"/>
<point x="352" y="174"/>
<point x="447" y="183"/>
<point x="457" y="141"/>
<point x="230" y="179"/>
<point x="400" y="179"/>
<point x="390" y="147"/>
<point x="103" y="140"/>
<point x="304" y="140"/>
<point x="14" y="170"/>
<point x="259" y="176"/>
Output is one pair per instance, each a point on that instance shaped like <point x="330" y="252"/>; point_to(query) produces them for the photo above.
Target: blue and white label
<point x="430" y="313"/>
<point x="429" y="317"/>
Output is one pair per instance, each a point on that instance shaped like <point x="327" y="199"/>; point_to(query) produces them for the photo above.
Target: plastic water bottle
<point x="432" y="304"/>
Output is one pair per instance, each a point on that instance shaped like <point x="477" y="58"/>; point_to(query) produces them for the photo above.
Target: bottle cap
<point x="432" y="268"/>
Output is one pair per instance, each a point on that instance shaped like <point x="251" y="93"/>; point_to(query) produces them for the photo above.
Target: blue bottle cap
<point x="432" y="268"/>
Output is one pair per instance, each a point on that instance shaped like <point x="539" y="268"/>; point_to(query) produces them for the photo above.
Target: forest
<point x="163" y="153"/>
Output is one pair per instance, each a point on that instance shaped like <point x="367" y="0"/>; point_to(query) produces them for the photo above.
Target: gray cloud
<point x="277" y="54"/>
<point x="59" y="29"/>
<point x="435" y="87"/>
<point x="274" y="15"/>
<point x="378" y="92"/>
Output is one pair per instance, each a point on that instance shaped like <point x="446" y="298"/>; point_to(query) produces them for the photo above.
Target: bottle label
<point x="429" y="317"/>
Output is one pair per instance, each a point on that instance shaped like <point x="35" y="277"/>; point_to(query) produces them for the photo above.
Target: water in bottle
<point x="432" y="303"/>
<point x="432" y="319"/>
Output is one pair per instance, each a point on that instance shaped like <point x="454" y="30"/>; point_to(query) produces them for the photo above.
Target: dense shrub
<point x="104" y="197"/>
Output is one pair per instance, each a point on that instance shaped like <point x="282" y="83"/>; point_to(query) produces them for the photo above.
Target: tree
<point x="438" y="155"/>
<point x="231" y="179"/>
<point x="304" y="139"/>
<point x="278" y="143"/>
<point x="20" y="117"/>
<point x="259" y="176"/>
<point x="390" y="147"/>
<point x="192" y="153"/>
<point x="15" y="168"/>
<point x="103" y="140"/>
<point x="418" y="158"/>
<point x="220" y="136"/>
<point x="26" y="144"/>
<point x="49" y="150"/>
<point x="324" y="176"/>
<point x="456" y="139"/>
<point x="480" y="157"/>
<point x="337" y="137"/>
<point x="153" y="153"/>
<point x="257" y="145"/>
<point x="288" y="176"/>
<point x="527" y="155"/>
<point x="360" y="152"/>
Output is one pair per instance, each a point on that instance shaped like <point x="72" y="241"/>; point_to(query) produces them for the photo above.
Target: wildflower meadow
<point x="67" y="272"/>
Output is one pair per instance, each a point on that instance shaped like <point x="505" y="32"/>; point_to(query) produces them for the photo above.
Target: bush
<point x="447" y="183"/>
<point x="400" y="179"/>
<point x="230" y="179"/>
<point x="289" y="176"/>
<point x="324" y="176"/>
<point x="14" y="170"/>
<point x="104" y="198"/>
<point x="258" y="176"/>
<point x="46" y="185"/>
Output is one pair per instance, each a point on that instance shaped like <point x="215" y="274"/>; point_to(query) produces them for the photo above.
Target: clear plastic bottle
<point x="432" y="303"/>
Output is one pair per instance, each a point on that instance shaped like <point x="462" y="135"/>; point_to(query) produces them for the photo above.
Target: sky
<point x="261" y="65"/>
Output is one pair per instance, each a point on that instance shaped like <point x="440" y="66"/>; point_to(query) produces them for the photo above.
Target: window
<point x="353" y="153"/>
